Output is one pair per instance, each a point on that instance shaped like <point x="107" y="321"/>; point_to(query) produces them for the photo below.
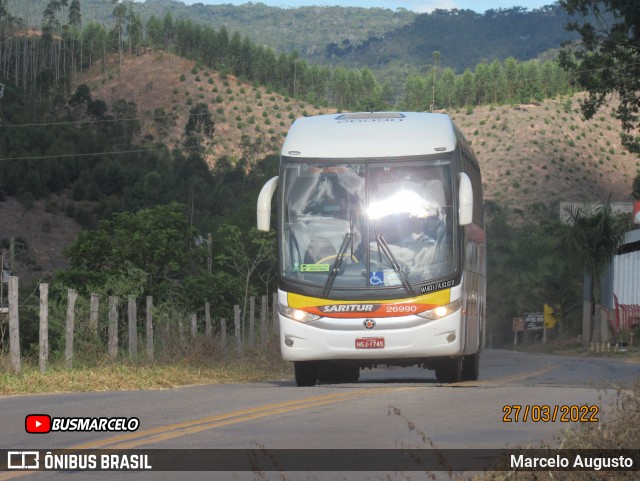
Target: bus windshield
<point x="367" y="225"/>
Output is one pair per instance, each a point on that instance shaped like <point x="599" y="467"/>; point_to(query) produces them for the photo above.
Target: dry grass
<point x="161" y="79"/>
<point x="107" y="375"/>
<point x="548" y="153"/>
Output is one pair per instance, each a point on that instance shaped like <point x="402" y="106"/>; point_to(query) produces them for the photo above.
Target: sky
<point x="420" y="6"/>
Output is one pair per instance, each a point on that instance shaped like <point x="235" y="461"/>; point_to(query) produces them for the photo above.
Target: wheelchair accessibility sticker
<point x="387" y="277"/>
<point x="376" y="278"/>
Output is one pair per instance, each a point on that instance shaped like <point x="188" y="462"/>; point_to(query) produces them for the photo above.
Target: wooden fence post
<point x="113" y="326"/>
<point x="236" y="329"/>
<point x="150" y="328"/>
<point x="166" y="336"/>
<point x="252" y="321"/>
<point x="72" y="295"/>
<point x="44" y="326"/>
<point x="263" y="321"/>
<point x="133" y="328"/>
<point x="93" y="315"/>
<point x="194" y="325"/>
<point x="223" y="333"/>
<point x="207" y="319"/>
<point x="181" y="332"/>
<point x="14" y="325"/>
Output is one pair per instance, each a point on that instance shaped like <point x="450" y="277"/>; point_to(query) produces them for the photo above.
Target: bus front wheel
<point x="306" y="373"/>
<point x="449" y="370"/>
<point x="471" y="367"/>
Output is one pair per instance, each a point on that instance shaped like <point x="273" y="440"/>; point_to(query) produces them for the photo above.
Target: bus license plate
<point x="370" y="343"/>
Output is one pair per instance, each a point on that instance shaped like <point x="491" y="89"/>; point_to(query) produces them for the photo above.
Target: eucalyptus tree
<point x="435" y="55"/>
<point x="75" y="29"/>
<point x="155" y="32"/>
<point x="497" y="82"/>
<point x="448" y="82"/>
<point x="119" y="15"/>
<point x="482" y="79"/>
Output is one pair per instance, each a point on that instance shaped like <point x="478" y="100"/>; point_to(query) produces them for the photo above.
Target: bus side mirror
<point x="264" y="204"/>
<point x="465" y="200"/>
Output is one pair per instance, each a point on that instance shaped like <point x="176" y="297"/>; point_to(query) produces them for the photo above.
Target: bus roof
<point x="370" y="135"/>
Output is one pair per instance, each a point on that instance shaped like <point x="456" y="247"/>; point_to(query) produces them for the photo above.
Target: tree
<point x="163" y="122"/>
<point x="152" y="246"/>
<point x="246" y="254"/>
<point x="134" y="28"/>
<point x="592" y="239"/>
<point x="75" y="22"/>
<point x="607" y="60"/>
<point x="119" y="15"/>
<point x="94" y="39"/>
<point x="466" y="88"/>
<point x="126" y="126"/>
<point x="482" y="79"/>
<point x="635" y="188"/>
<point x="199" y="126"/>
<point x="155" y="32"/>
<point x="82" y="95"/>
<point x="448" y="82"/>
<point x="436" y="60"/>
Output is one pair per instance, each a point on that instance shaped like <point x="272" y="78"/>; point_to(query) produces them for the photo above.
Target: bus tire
<point x="449" y="370"/>
<point x="306" y="373"/>
<point x="471" y="367"/>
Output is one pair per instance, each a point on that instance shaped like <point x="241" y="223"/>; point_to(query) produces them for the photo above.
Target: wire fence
<point x="138" y="338"/>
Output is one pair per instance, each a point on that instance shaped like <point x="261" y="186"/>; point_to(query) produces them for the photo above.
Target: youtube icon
<point x="37" y="423"/>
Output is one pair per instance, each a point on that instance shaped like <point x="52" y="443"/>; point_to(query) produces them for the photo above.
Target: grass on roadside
<point x="98" y="372"/>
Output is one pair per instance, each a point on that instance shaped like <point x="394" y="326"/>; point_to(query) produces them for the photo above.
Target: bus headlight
<point x="296" y="314"/>
<point x="441" y="311"/>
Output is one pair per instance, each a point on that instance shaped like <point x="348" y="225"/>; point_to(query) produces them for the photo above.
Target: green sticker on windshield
<point x="314" y="268"/>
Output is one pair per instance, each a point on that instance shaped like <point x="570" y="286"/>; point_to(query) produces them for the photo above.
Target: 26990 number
<point x="401" y="308"/>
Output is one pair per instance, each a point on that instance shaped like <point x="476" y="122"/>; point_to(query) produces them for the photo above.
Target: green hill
<point x="464" y="38"/>
<point x="356" y="37"/>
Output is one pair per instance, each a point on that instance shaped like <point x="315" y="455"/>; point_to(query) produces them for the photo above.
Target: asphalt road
<point x="389" y="408"/>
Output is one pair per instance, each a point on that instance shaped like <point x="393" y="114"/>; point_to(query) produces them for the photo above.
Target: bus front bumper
<point x="407" y="337"/>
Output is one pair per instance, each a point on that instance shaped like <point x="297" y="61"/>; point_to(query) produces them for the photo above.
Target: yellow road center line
<point x="235" y="420"/>
<point x="236" y="416"/>
<point x="163" y="433"/>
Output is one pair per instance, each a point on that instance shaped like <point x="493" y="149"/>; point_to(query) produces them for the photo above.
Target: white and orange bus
<point x="381" y="246"/>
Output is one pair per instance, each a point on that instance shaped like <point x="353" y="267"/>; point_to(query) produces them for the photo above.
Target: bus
<point x="381" y="246"/>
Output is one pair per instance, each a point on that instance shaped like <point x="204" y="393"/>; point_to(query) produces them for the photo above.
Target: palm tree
<point x="592" y="239"/>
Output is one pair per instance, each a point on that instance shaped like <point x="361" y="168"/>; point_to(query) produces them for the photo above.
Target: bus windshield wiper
<point x="384" y="247"/>
<point x="335" y="268"/>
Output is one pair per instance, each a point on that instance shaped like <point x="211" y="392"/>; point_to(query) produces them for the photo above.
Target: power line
<point x="607" y="68"/>
<point x="57" y="156"/>
<point x="76" y="122"/>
